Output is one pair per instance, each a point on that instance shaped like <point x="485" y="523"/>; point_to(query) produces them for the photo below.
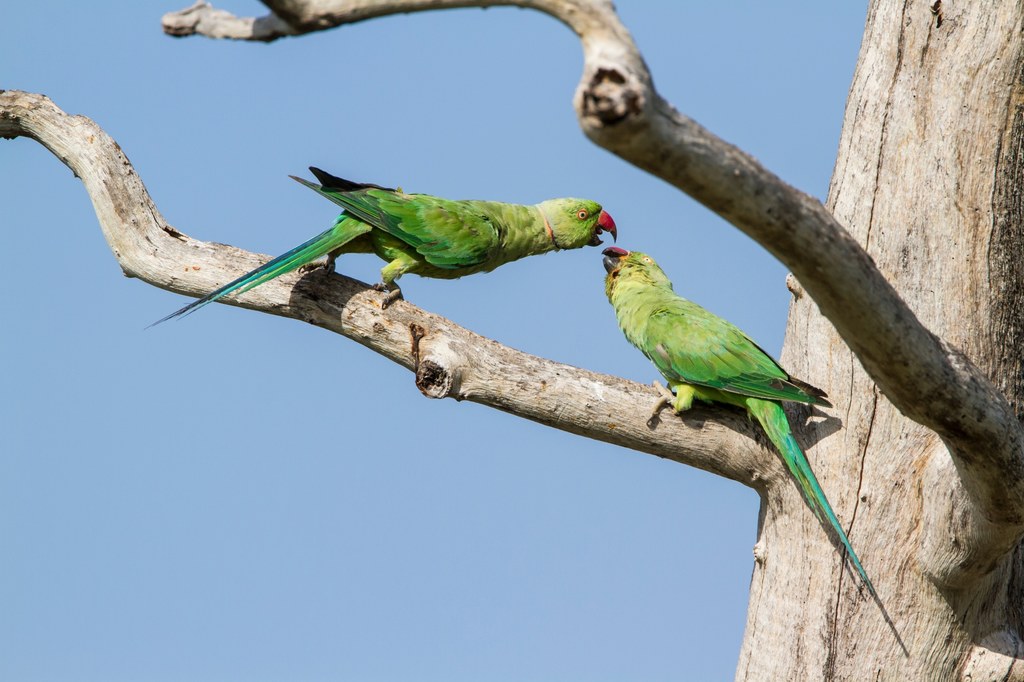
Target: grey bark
<point x="927" y="179"/>
<point x="910" y="321"/>
<point x="449" y="361"/>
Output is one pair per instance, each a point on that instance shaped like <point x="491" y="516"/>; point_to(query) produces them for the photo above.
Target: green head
<point x="572" y="223"/>
<point x="631" y="267"/>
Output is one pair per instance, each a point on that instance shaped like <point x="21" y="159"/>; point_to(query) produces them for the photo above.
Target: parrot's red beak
<point x="612" y="256"/>
<point x="605" y="224"/>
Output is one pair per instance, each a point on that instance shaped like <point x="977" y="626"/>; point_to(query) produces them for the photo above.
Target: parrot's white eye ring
<point x="582" y="214"/>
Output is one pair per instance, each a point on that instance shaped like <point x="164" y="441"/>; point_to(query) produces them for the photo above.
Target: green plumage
<point x="704" y="357"/>
<point x="427" y="235"/>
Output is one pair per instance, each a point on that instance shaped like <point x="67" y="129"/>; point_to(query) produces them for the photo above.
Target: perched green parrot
<point x="704" y="357"/>
<point x="427" y="235"/>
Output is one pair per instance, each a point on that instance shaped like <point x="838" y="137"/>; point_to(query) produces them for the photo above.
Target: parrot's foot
<point x="326" y="264"/>
<point x="392" y="294"/>
<point x="664" y="400"/>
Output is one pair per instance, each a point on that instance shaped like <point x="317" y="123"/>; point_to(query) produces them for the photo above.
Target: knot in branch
<point x="610" y="97"/>
<point x="434" y="380"/>
<point x="435" y="364"/>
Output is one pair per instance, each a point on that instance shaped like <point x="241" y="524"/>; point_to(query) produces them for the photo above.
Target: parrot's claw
<point x="391" y="294"/>
<point x="666" y="395"/>
<point x="391" y="297"/>
<point x="325" y="264"/>
<point x="664" y="400"/>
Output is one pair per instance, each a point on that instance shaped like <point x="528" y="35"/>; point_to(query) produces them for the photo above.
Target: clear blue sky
<point x="237" y="496"/>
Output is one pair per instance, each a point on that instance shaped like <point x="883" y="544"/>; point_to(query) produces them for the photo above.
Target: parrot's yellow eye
<point x="647" y="259"/>
<point x="582" y="214"/>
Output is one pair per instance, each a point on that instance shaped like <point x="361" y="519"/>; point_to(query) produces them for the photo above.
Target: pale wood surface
<point x="908" y="296"/>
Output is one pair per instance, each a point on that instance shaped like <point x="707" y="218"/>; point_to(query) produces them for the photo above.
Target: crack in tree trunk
<point x="921" y="336"/>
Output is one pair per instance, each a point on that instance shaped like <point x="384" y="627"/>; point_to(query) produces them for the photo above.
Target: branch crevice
<point x="447" y="360"/>
<point x="619" y="109"/>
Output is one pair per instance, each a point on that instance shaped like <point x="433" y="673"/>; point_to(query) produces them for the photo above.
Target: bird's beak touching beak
<point x="612" y="256"/>
<point x="604" y="224"/>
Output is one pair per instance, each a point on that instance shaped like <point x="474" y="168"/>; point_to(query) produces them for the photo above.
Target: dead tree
<point x="907" y="298"/>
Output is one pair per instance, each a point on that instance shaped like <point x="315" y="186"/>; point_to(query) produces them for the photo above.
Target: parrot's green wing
<point x="448" y="234"/>
<point x="685" y="341"/>
<point x="690" y="345"/>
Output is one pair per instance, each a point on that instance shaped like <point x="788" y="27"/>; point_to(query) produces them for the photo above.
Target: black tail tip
<point x="328" y="181"/>
<point x="325" y="178"/>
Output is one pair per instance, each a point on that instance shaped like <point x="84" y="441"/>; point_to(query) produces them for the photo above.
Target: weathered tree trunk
<point x="928" y="180"/>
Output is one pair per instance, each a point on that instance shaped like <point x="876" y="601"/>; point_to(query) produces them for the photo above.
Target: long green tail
<point x="773" y="420"/>
<point x="344" y="230"/>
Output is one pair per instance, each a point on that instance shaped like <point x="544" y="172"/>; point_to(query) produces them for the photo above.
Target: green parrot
<point x="427" y="235"/>
<point x="704" y="357"/>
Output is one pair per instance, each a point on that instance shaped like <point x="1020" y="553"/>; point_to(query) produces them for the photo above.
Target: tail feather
<point x="329" y="181"/>
<point x="773" y="420"/>
<point x="357" y="204"/>
<point x="343" y="231"/>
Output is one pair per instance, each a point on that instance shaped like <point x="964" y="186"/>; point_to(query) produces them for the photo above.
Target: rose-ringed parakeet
<point x="428" y="236"/>
<point x="704" y="357"/>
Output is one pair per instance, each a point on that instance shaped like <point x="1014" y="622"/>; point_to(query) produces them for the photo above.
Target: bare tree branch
<point x="203" y="19"/>
<point x="448" y="360"/>
<point x="297" y="17"/>
<point x="620" y="110"/>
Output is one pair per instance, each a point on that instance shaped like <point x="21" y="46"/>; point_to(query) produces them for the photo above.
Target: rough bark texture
<point x="449" y="361"/>
<point x="928" y="180"/>
<point x="908" y="296"/>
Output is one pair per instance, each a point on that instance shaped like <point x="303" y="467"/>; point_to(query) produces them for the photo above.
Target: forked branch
<point x="448" y="360"/>
<point x="619" y="109"/>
